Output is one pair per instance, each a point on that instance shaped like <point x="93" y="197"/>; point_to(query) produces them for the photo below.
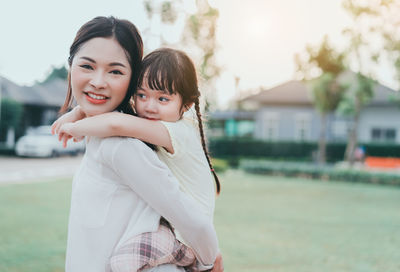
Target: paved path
<point x="25" y="170"/>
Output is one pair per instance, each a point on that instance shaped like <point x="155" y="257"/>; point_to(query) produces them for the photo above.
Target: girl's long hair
<point x="173" y="71"/>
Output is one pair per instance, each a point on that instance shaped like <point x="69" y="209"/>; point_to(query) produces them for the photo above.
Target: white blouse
<point x="119" y="191"/>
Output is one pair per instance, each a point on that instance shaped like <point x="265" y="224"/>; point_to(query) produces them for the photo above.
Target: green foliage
<point x="359" y="94"/>
<point x="148" y="7"/>
<point x="220" y="165"/>
<point x="327" y="92"/>
<point x="193" y="24"/>
<point x="380" y="19"/>
<point x="199" y="33"/>
<point x="326" y="89"/>
<point x="233" y="148"/>
<point x="313" y="171"/>
<point x="11" y="113"/>
<point x="320" y="59"/>
<point x="56" y="72"/>
<point x="168" y="13"/>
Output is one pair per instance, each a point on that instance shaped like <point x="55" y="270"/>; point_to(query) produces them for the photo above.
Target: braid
<point x="203" y="142"/>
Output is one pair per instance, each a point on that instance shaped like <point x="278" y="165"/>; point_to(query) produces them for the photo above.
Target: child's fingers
<point x="53" y="128"/>
<point x="65" y="140"/>
<point x="60" y="135"/>
<point x="58" y="126"/>
<point x="78" y="139"/>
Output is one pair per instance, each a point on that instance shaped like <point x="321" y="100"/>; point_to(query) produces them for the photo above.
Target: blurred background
<point x="295" y="93"/>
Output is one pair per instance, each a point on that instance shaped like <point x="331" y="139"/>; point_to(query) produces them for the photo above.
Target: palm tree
<point x="327" y="91"/>
<point x="327" y="94"/>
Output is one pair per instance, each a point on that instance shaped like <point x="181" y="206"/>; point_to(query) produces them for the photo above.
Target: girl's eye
<point x="86" y="66"/>
<point x="140" y="95"/>
<point x="163" y="99"/>
<point x="116" y="72"/>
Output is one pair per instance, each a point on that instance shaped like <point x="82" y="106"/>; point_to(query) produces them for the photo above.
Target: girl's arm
<point x="74" y="115"/>
<point x="120" y="124"/>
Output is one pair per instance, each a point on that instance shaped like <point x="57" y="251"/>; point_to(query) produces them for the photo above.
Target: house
<point x="286" y="113"/>
<point x="41" y="102"/>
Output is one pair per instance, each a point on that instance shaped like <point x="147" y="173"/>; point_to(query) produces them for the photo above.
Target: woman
<point x="121" y="188"/>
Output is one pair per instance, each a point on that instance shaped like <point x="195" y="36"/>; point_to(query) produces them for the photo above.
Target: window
<point x="271" y="126"/>
<point x="302" y="127"/>
<point x="390" y="135"/>
<point x="383" y="134"/>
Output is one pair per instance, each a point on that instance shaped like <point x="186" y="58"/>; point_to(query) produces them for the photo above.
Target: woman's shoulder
<point x="112" y="143"/>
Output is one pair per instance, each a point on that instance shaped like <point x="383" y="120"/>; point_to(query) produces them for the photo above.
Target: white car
<point x="39" y="142"/>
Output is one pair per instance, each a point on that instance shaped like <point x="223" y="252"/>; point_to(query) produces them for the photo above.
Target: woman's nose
<point x="98" y="81"/>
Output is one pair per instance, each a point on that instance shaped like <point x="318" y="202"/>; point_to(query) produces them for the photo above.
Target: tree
<point x="56" y="72"/>
<point x="379" y="21"/>
<point x="358" y="95"/>
<point x="199" y="34"/>
<point x="10" y="116"/>
<point x="360" y="53"/>
<point x="321" y="66"/>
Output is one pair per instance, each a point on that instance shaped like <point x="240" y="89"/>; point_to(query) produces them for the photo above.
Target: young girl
<point x="168" y="89"/>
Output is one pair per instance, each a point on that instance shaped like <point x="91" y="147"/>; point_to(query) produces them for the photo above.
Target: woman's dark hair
<point x="173" y="71"/>
<point x="127" y="35"/>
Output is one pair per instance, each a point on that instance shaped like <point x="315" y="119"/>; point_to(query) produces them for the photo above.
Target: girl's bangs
<point x="159" y="78"/>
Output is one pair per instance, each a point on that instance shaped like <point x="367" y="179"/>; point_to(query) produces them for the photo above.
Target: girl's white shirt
<point x="118" y="192"/>
<point x="189" y="164"/>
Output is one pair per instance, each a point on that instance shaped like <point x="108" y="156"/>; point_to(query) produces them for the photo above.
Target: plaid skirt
<point x="152" y="249"/>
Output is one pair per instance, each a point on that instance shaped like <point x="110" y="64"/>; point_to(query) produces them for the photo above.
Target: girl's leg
<point x="152" y="249"/>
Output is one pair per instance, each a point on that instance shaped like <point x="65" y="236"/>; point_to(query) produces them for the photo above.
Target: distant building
<point x="286" y="113"/>
<point x="41" y="102"/>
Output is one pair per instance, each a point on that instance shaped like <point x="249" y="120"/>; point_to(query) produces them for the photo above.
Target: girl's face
<point x="157" y="105"/>
<point x="100" y="76"/>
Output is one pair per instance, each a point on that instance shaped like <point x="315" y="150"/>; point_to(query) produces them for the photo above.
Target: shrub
<point x="219" y="165"/>
<point x="315" y="171"/>
<point x="248" y="147"/>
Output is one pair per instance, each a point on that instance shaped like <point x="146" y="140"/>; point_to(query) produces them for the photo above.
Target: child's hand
<point x="218" y="264"/>
<point x="66" y="132"/>
<point x="70" y="117"/>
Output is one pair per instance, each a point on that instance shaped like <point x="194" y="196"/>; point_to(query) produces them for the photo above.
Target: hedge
<point x="246" y="147"/>
<point x="314" y="171"/>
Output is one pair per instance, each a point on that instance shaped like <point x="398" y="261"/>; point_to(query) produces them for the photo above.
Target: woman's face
<point x="100" y="75"/>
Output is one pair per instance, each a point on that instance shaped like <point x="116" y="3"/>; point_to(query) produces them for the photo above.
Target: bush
<point x="219" y="165"/>
<point x="248" y="147"/>
<point x="315" y="171"/>
<point x="4" y="150"/>
<point x="239" y="147"/>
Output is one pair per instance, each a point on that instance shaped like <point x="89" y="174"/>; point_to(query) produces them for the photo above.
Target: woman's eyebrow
<point x="88" y="59"/>
<point x="117" y="64"/>
<point x="111" y="64"/>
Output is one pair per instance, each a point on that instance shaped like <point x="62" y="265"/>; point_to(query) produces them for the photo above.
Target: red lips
<point x="96" y="98"/>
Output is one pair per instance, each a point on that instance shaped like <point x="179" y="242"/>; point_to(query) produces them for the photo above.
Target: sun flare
<point x="257" y="27"/>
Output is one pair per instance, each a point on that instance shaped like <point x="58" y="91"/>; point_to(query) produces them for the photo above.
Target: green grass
<point x="263" y="223"/>
<point x="33" y="226"/>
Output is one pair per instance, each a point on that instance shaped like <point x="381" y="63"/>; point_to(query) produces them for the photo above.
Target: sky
<point x="256" y="39"/>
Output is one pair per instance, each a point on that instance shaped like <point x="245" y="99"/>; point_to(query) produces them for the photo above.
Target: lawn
<point x="264" y="224"/>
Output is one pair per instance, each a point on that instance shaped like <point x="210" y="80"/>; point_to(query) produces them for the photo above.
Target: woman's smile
<point x="96" y="98"/>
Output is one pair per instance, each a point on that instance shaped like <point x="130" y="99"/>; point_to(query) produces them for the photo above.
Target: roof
<point x="295" y="92"/>
<point x="49" y="94"/>
<point x="290" y="93"/>
<point x="232" y="114"/>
